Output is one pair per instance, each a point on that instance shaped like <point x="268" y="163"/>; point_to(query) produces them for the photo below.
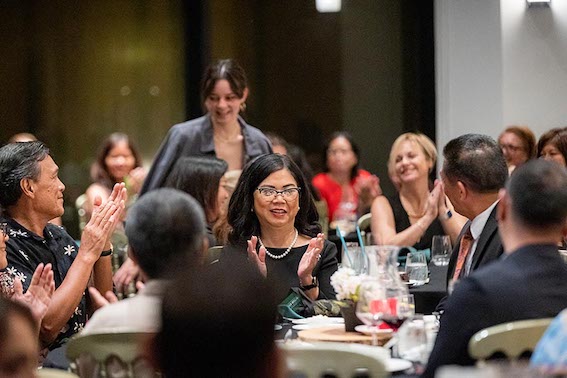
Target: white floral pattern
<point x="18" y="233"/>
<point x="24" y="254"/>
<point x="69" y="249"/>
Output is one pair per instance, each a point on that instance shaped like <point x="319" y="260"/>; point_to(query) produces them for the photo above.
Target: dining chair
<point x="323" y="212"/>
<point x="364" y="222"/>
<point x="512" y="339"/>
<point x="54" y="373"/>
<point x="110" y="355"/>
<point x="315" y="360"/>
<point x="213" y="254"/>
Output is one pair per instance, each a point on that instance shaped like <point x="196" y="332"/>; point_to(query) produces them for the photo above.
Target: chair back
<point x="110" y="355"/>
<point x="80" y="207"/>
<point x="54" y="373"/>
<point x="323" y="212"/>
<point x="213" y="254"/>
<point x="316" y="360"/>
<point x="364" y="222"/>
<point x="512" y="339"/>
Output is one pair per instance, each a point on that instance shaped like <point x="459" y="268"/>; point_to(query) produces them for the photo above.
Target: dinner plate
<point x="397" y="364"/>
<point x="277" y="327"/>
<point x="300" y="327"/>
<point x="369" y="330"/>
<point x="320" y="319"/>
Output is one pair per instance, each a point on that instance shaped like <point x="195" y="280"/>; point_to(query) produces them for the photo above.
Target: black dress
<point x="402" y="221"/>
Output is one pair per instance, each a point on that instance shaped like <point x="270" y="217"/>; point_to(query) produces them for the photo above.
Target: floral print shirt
<point x="25" y="251"/>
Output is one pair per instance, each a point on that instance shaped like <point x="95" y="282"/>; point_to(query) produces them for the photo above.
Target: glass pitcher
<point x="384" y="266"/>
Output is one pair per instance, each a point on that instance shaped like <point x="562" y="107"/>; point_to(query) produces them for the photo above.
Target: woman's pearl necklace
<point x="278" y="257"/>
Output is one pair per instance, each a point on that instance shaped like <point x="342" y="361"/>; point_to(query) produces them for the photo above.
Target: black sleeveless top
<point x="402" y="221"/>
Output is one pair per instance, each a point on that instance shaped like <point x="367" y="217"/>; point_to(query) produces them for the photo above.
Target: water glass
<point x="412" y="340"/>
<point x="441" y="250"/>
<point x="416" y="268"/>
<point x="356" y="260"/>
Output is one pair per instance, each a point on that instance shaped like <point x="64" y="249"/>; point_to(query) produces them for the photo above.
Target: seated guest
<point x="474" y="170"/>
<point x="202" y="177"/>
<point x="18" y="340"/>
<point x="415" y="214"/>
<point x="30" y="195"/>
<point x="272" y="208"/>
<point x="342" y="181"/>
<point x="550" y="354"/>
<point x="165" y="228"/>
<point x="218" y="322"/>
<point x="118" y="160"/>
<point x="553" y="146"/>
<point x="518" y="145"/>
<point x="530" y="283"/>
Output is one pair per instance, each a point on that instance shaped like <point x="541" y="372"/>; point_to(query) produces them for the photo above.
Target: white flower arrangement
<point x="347" y="284"/>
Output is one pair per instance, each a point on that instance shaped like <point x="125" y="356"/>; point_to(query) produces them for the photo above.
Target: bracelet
<point x="446" y="216"/>
<point x="108" y="252"/>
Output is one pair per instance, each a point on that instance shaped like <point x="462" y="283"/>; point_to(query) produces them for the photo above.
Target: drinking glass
<point x="441" y="250"/>
<point x="412" y="340"/>
<point x="356" y="260"/>
<point x="416" y="268"/>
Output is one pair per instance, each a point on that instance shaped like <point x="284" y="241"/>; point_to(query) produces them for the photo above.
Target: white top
<point x="141" y="313"/>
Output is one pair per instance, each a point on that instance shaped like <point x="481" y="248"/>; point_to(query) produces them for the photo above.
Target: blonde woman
<point x="419" y="210"/>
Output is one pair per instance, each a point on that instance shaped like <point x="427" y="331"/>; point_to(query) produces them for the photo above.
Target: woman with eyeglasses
<point x="518" y="144"/>
<point x="274" y="219"/>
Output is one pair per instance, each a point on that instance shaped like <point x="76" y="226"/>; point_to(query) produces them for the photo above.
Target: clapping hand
<point x="259" y="259"/>
<point x="39" y="293"/>
<point x="106" y="216"/>
<point x="311" y="257"/>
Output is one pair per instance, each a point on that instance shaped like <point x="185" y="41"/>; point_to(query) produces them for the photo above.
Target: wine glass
<point x="416" y="268"/>
<point x="372" y="304"/>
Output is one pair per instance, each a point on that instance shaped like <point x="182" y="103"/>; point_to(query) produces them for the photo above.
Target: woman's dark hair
<point x="244" y="222"/>
<point x="557" y="137"/>
<point x="297" y="154"/>
<point x="225" y="69"/>
<point x="199" y="176"/>
<point x="353" y="146"/>
<point x="99" y="170"/>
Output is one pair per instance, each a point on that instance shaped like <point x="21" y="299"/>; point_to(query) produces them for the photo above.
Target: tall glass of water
<point x="416" y="268"/>
<point x="441" y="250"/>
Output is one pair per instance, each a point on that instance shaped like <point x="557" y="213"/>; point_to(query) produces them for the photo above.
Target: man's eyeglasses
<point x="271" y="193"/>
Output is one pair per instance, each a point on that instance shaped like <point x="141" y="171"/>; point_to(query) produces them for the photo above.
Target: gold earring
<point x="243" y="107"/>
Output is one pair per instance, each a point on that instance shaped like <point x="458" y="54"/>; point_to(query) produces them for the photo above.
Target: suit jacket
<point x="530" y="283"/>
<point x="195" y="138"/>
<point x="488" y="248"/>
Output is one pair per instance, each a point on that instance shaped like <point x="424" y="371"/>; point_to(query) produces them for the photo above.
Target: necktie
<point x="466" y="244"/>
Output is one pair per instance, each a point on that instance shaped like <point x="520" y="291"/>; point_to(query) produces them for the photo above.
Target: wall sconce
<point x="328" y="6"/>
<point x="538" y="3"/>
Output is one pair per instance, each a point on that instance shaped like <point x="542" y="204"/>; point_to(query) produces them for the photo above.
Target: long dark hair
<point x="99" y="170"/>
<point x="199" y="176"/>
<point x="353" y="146"/>
<point x="244" y="222"/>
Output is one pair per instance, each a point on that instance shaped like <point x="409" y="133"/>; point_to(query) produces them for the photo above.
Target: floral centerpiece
<point x="346" y="283"/>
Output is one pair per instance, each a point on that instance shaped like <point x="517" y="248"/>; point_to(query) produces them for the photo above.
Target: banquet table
<point x="428" y="296"/>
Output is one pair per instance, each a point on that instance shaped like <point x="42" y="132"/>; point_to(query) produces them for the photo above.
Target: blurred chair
<point x="54" y="373"/>
<point x="110" y="355"/>
<point x="364" y="223"/>
<point x="80" y="207"/>
<point x="323" y="212"/>
<point x="339" y="359"/>
<point x="512" y="339"/>
<point x="213" y="254"/>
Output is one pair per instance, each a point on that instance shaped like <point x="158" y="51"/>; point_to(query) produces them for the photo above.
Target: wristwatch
<point x="108" y="252"/>
<point x="313" y="284"/>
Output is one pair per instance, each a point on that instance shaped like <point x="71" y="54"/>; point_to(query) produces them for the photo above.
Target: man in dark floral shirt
<point x="31" y="194"/>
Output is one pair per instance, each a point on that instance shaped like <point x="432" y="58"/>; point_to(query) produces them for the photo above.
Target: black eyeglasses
<point x="271" y="193"/>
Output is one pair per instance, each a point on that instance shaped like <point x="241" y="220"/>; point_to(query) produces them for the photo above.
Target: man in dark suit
<point x="529" y="282"/>
<point x="474" y="169"/>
